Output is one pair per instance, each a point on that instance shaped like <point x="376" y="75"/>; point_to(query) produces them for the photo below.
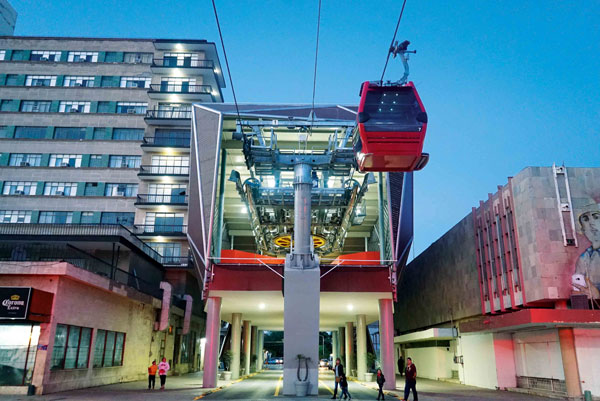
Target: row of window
<point x="74" y="160"/>
<point x="72" y="106"/>
<point x="72" y="348"/>
<point x="68" y="189"/>
<point x="168" y="84"/>
<point x="169" y="59"/>
<point x="158" y="220"/>
<point x="98" y="133"/>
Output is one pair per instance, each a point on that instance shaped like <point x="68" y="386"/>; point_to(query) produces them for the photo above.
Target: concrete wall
<point x="537" y="354"/>
<point x="432" y="362"/>
<point x="587" y="345"/>
<point x="479" y="360"/>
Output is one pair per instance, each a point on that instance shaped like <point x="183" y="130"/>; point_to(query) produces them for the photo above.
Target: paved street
<point x="267" y="386"/>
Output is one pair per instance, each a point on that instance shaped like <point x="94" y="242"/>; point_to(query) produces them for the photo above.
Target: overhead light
<point x="261" y="306"/>
<point x="159" y="238"/>
<point x="350" y="307"/>
<point x="244" y="209"/>
<point x="179" y="46"/>
<point x="166" y="180"/>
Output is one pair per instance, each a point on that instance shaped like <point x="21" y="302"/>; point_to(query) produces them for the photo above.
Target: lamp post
<point x="322" y="346"/>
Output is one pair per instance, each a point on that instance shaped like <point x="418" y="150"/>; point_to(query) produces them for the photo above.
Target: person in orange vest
<point x="152" y="369"/>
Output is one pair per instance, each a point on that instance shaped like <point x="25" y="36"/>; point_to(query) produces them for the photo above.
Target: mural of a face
<point x="590" y="224"/>
<point x="587" y="266"/>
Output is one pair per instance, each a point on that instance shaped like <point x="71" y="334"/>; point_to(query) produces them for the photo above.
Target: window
<point x="96" y="161"/>
<point x="108" y="348"/>
<point x="12" y="80"/>
<point x="172" y="137"/>
<point x="6" y="105"/>
<point x="30" y="132"/>
<point x="60" y="188"/>
<point x="25" y="159"/>
<point x="178" y="85"/>
<point x="101" y="133"/>
<point x="188" y="347"/>
<point x="131" y="107"/>
<point x="69" y="133"/>
<point x="123" y="218"/>
<point x="19" y="188"/>
<point x="118" y="161"/>
<point x="15" y="216"/>
<point x="128" y="134"/>
<point x="167" y="193"/>
<point x="87" y="218"/>
<point x="71" y="347"/>
<point x="168" y="250"/>
<point x="75" y="80"/>
<point x="91" y="189"/>
<point x="56" y="217"/>
<point x="135" y="82"/>
<point x="45" y="55"/>
<point x="175" y="110"/>
<point x="137" y="58"/>
<point x="129" y="190"/>
<point x="74" y="107"/>
<point x="164" y="222"/>
<point x="181" y="59"/>
<point x="4" y="133"/>
<point x="40" y="80"/>
<point x="83" y="57"/>
<point x="58" y="160"/>
<point x="109" y="82"/>
<point x="35" y="106"/>
<point x="2" y="55"/>
<point x="170" y="164"/>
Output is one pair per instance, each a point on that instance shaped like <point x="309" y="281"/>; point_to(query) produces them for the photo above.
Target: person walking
<point x="410" y="380"/>
<point x="338" y="370"/>
<point x="163" y="368"/>
<point x="152" y="369"/>
<point x="401" y="365"/>
<point x="380" y="381"/>
<point x="344" y="388"/>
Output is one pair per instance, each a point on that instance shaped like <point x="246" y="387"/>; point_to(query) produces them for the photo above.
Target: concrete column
<point x="341" y="342"/>
<point x="254" y="347"/>
<point x="386" y="338"/>
<point x="236" y="340"/>
<point x="213" y="337"/>
<point x="258" y="349"/>
<point x="261" y="339"/>
<point x="247" y="348"/>
<point x="569" y="359"/>
<point x="361" y="346"/>
<point x="334" y="345"/>
<point x="349" y="347"/>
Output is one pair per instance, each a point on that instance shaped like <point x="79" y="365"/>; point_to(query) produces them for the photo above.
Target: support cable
<point x="393" y="39"/>
<point x="315" y="72"/>
<point x="227" y="64"/>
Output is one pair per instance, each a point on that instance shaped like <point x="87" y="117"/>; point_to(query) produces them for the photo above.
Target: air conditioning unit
<point x="74" y="110"/>
<point x="60" y="193"/>
<point x="130" y="111"/>
<point x="39" y="83"/>
<point x="65" y="164"/>
<point x="120" y="193"/>
<point x="80" y="60"/>
<point x="24" y="164"/>
<point x="35" y="109"/>
<point x="19" y="192"/>
<point x="44" y="59"/>
<point x="78" y="84"/>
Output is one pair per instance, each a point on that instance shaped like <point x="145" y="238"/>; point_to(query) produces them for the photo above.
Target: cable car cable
<point x="315" y="73"/>
<point x="392" y="44"/>
<point x="227" y="64"/>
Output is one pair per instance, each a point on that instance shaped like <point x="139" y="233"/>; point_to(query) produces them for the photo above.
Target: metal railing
<point x="159" y="229"/>
<point x="185" y="63"/>
<point x="178" y="261"/>
<point x="169" y="114"/>
<point x="164" y="170"/>
<point x="154" y="199"/>
<point x="177" y="141"/>
<point x="180" y="88"/>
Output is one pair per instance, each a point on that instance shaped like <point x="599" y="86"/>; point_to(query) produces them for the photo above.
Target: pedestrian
<point x="344" y="388"/>
<point x="380" y="381"/>
<point x="410" y="380"/>
<point x="401" y="365"/>
<point x="163" y="368"/>
<point x="338" y="370"/>
<point x="152" y="375"/>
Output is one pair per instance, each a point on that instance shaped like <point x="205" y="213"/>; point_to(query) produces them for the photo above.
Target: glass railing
<point x="162" y="199"/>
<point x="164" y="170"/>
<point x="182" y="63"/>
<point x="169" y="114"/>
<point x="180" y="88"/>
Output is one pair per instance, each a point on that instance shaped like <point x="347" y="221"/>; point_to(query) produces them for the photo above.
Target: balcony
<point x="177" y="143"/>
<point x="149" y="201"/>
<point x="163" y="230"/>
<point x="182" y="91"/>
<point x="178" y="261"/>
<point x="191" y="67"/>
<point x="168" y="117"/>
<point x="175" y="173"/>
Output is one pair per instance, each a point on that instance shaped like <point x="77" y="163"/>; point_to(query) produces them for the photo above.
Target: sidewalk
<point x="185" y="387"/>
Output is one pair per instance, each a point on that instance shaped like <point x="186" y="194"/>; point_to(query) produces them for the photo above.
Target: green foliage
<point x="226" y="358"/>
<point x="371" y="358"/>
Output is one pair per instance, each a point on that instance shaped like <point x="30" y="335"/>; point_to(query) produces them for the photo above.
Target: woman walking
<point x="380" y="381"/>
<point x="163" y="368"/>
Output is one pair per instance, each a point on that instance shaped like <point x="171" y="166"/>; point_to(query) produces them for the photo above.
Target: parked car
<point x="323" y="363"/>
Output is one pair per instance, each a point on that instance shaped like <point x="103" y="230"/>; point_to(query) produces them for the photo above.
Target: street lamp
<point x="322" y="346"/>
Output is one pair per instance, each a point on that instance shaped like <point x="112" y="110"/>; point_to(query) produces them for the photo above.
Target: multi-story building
<point x="94" y="158"/>
<point x="8" y="18"/>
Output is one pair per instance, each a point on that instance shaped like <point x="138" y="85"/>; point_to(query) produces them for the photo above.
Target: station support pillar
<point x="569" y="360"/>
<point x="334" y="345"/>
<point x="257" y="345"/>
<point x="341" y="342"/>
<point x="361" y="346"/>
<point x="349" y="348"/>
<point x="213" y="335"/>
<point x="386" y="338"/>
<point x="247" y="348"/>
<point x="236" y="342"/>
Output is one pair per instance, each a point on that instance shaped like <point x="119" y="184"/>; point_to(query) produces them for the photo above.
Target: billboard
<point x="14" y="302"/>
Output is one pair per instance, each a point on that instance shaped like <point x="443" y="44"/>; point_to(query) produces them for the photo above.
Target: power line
<point x="315" y="72"/>
<point x="393" y="39"/>
<point x="227" y="64"/>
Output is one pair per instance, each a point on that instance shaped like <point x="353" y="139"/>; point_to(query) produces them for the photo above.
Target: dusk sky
<point x="506" y="84"/>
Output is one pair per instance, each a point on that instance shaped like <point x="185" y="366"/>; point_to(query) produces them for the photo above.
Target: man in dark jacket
<point x="338" y="371"/>
<point x="411" y="380"/>
<point x="401" y="365"/>
<point x="380" y="381"/>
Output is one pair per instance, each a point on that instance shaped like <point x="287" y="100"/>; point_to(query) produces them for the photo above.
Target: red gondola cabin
<point x="391" y="123"/>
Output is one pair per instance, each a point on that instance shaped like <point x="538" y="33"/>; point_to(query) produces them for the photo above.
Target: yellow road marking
<point x="326" y="386"/>
<point x="224" y="386"/>
<point x="278" y="386"/>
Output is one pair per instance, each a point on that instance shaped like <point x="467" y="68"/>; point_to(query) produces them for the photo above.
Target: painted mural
<point x="586" y="278"/>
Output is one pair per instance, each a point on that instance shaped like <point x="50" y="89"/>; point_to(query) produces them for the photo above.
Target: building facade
<point x="94" y="164"/>
<point x="508" y="297"/>
<point x="8" y="18"/>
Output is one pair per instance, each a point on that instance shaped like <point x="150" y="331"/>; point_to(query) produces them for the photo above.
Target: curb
<point x="214" y="390"/>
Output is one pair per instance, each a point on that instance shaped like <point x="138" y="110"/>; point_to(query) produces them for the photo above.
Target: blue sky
<point x="506" y="84"/>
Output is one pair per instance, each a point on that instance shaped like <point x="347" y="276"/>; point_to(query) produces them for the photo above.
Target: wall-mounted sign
<point x="14" y="302"/>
